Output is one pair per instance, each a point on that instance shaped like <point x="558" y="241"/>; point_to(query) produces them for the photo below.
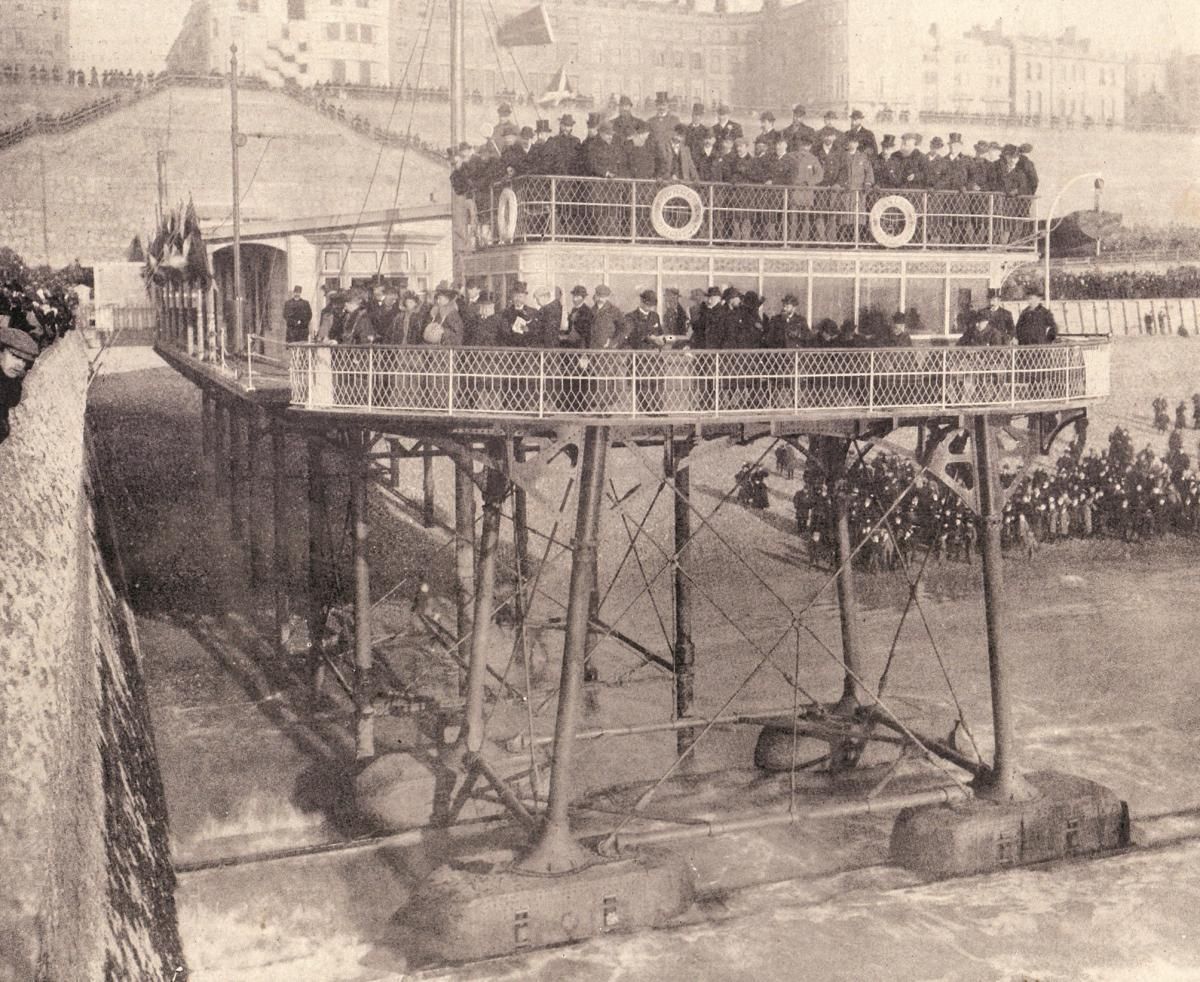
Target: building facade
<point x="35" y="34"/>
<point x="1063" y="80"/>
<point x="301" y="41"/>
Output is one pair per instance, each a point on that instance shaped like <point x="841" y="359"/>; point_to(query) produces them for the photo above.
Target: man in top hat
<point x="18" y="352"/>
<point x="704" y="317"/>
<point x="999" y="319"/>
<point x="726" y="128"/>
<point x="798" y="128"/>
<point x="788" y="328"/>
<point x="675" y="163"/>
<point x="908" y="164"/>
<point x="513" y="156"/>
<point x="641" y="156"/>
<point x="504" y="112"/>
<point x="1026" y="166"/>
<point x="624" y="121"/>
<point x="1036" y="324"/>
<point x="662" y="124"/>
<point x="954" y="170"/>
<point x="885" y="163"/>
<point x="593" y="130"/>
<point x="696" y="130"/>
<point x="562" y="154"/>
<point x="541" y="134"/>
<point x="297" y="315"/>
<point x="866" y="139"/>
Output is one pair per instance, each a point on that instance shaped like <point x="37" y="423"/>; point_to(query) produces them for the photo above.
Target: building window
<point x="216" y="28"/>
<point x="364" y="73"/>
<point x="1028" y="71"/>
<point x="1039" y="71"/>
<point x="364" y="3"/>
<point x="333" y="32"/>
<point x="250" y="6"/>
<point x="337" y="70"/>
<point x="351" y="32"/>
<point x="697" y="61"/>
<point x="296" y="10"/>
<point x="660" y="59"/>
<point x="366" y="34"/>
<point x="678" y="59"/>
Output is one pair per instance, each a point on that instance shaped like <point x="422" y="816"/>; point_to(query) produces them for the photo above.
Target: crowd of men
<point x="1125" y="284"/>
<point x="714" y="318"/>
<point x="664" y="148"/>
<point x="110" y="78"/>
<point x="1114" y="493"/>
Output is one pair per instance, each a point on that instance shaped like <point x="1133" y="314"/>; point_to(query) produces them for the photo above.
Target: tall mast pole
<point x="458" y="105"/>
<point x="235" y="142"/>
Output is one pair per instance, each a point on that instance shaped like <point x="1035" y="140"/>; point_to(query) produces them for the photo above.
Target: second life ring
<point x="506" y="215"/>
<point x="893" y="221"/>
<point x="667" y="196"/>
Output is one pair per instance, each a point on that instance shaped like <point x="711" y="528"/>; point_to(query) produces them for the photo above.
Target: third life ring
<point x="893" y="221"/>
<point x="506" y="215"/>
<point x="672" y="193"/>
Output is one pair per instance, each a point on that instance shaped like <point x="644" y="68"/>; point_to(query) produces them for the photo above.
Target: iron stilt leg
<point x="250" y="471"/>
<point x="364" y="710"/>
<point x="220" y="448"/>
<point x="464" y="547"/>
<point x="279" y="535"/>
<point x="485" y="589"/>
<point x="1004" y="783"/>
<point x="836" y="451"/>
<point x="684" y="651"/>
<point x="318" y="558"/>
<point x="556" y="851"/>
<point x="427" y="489"/>
<point x="237" y="445"/>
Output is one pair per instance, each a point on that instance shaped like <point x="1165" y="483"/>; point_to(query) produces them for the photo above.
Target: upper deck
<point x="545" y="209"/>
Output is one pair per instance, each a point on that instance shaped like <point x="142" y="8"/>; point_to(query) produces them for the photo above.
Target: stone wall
<point x="87" y="890"/>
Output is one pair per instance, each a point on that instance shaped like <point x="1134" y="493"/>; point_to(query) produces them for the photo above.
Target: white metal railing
<point x="550" y="209"/>
<point x="558" y="383"/>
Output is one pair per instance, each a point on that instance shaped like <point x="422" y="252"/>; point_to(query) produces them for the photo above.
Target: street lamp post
<point x="1050" y="215"/>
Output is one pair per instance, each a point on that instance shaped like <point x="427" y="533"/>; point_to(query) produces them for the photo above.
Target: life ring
<point x="669" y="194"/>
<point x="506" y="215"/>
<point x="883" y="220"/>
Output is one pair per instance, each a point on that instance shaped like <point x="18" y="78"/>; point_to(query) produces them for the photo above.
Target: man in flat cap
<point x="697" y="130"/>
<point x="624" y="121"/>
<point x="866" y="139"/>
<point x="726" y="128"/>
<point x="18" y="352"/>
<point x="608" y="323"/>
<point x="297" y="315"/>
<point x="798" y="128"/>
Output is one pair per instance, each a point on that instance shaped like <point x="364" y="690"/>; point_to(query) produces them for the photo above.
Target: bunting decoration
<point x="175" y="254"/>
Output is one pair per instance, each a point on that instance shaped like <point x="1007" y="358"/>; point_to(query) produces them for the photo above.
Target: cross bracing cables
<point x="433" y="4"/>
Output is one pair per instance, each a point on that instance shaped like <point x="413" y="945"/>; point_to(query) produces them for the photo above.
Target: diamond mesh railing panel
<point x="620" y="210"/>
<point x="536" y="383"/>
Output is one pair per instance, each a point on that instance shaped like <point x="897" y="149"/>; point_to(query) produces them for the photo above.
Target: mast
<point x="235" y="139"/>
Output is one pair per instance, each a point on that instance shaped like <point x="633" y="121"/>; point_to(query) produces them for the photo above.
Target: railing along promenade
<point x="535" y="209"/>
<point x="635" y="385"/>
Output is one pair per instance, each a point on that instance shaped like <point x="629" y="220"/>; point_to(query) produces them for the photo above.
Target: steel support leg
<point x="220" y="434"/>
<point x="520" y="540"/>
<point x="1004" y="783"/>
<point x="364" y="709"/>
<point x="318" y="560"/>
<point x="394" y="463"/>
<point x="236" y="489"/>
<point x="206" y="427"/>
<point x="427" y="490"/>
<point x="254" y="532"/>
<point x="279" y="533"/>
<point x="464" y="547"/>
<point x="684" y="652"/>
<point x="485" y="591"/>
<point x="835" y="463"/>
<point x="556" y="851"/>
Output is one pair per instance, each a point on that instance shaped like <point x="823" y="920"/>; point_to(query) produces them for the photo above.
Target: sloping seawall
<point x="87" y="890"/>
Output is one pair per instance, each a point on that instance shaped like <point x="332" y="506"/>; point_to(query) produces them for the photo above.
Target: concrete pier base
<point x="1067" y="816"/>
<point x="461" y="914"/>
